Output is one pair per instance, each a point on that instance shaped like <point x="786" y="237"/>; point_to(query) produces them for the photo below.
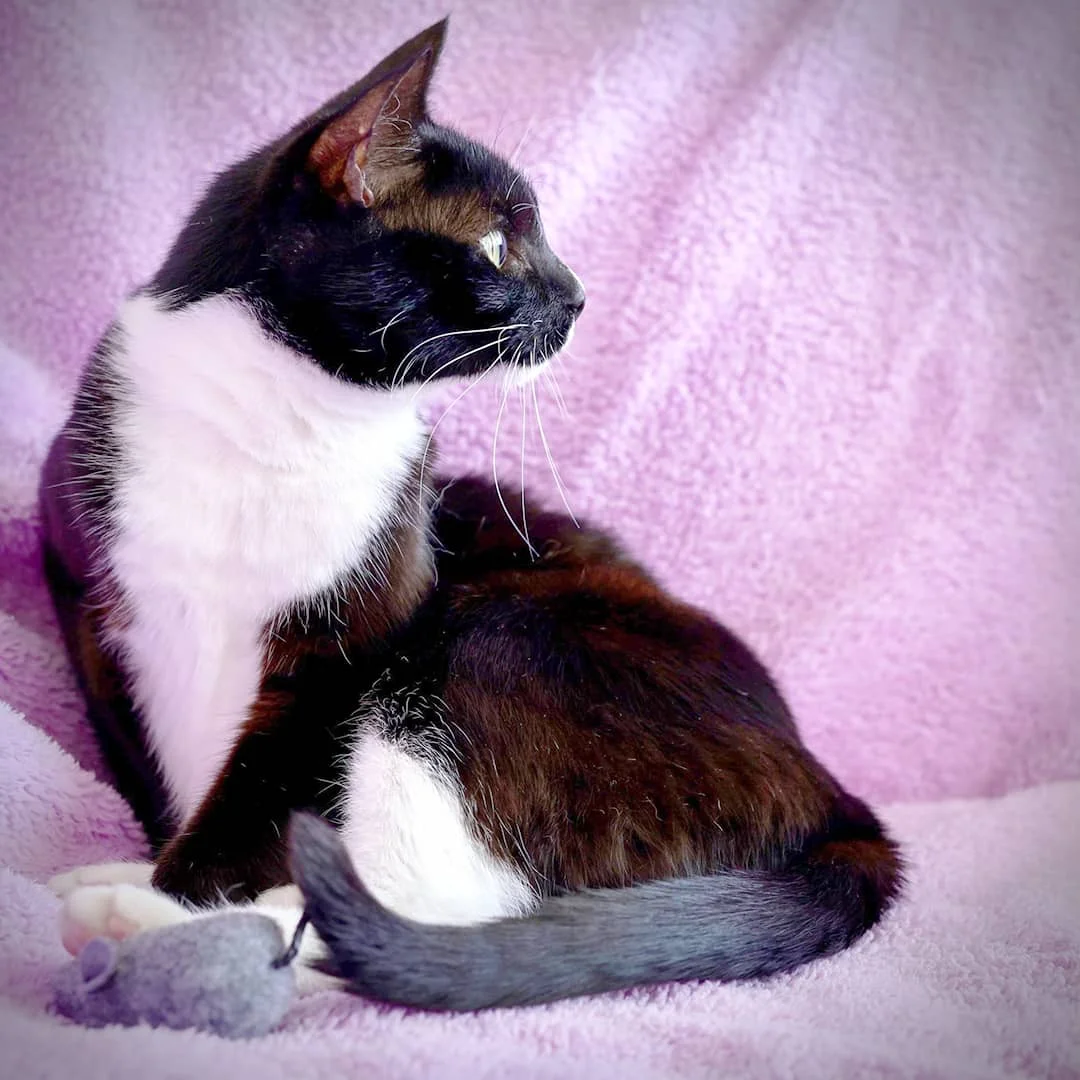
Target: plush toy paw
<point x="116" y="912"/>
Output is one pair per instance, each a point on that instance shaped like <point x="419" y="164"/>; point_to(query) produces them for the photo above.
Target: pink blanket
<point x="827" y="385"/>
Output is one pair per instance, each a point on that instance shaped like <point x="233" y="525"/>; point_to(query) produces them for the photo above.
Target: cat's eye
<point x="494" y="246"/>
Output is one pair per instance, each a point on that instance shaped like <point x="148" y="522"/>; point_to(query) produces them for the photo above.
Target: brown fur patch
<point x="462" y="217"/>
<point x="608" y="733"/>
<point x="652" y="778"/>
<point x="877" y="859"/>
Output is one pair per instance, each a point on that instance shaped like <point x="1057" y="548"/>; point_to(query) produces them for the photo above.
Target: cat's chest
<point x="248" y="472"/>
<point x="248" y="481"/>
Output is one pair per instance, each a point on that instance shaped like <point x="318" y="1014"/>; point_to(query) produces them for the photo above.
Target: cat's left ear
<point x="353" y="154"/>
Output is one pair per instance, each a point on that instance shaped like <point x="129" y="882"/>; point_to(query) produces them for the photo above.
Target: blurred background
<point x="826" y="385"/>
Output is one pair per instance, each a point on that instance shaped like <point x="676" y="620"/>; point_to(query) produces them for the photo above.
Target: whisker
<point x="495" y="452"/>
<point x="498" y="131"/>
<point x="552" y="383"/>
<point x="435" y="427"/>
<point x="462" y="356"/>
<point x="439" y="337"/>
<point x="550" y="458"/>
<point x="381" y="331"/>
<point x="517" y="150"/>
<point x="524" y="429"/>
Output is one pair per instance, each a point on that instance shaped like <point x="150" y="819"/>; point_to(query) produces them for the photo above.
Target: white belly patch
<point x="408" y="832"/>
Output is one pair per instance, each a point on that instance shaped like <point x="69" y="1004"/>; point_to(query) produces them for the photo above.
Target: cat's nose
<point x="575" y="295"/>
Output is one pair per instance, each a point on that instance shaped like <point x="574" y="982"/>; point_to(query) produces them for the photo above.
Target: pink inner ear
<point x="355" y="178"/>
<point x="381" y="113"/>
<point x="343" y="143"/>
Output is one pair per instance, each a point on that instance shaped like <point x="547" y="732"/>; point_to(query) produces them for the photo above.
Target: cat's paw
<point x="284" y="896"/>
<point x="112" y="873"/>
<point x="115" y="911"/>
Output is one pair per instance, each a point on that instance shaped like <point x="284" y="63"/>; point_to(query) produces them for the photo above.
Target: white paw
<point x="110" y="873"/>
<point x="286" y="896"/>
<point x="115" y="911"/>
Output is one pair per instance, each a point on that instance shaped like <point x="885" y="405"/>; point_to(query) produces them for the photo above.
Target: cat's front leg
<point x="234" y="846"/>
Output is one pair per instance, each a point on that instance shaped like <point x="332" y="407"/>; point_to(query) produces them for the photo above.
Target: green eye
<point x="493" y="245"/>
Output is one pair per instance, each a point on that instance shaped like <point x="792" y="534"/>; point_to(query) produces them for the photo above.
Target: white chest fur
<point x="256" y="480"/>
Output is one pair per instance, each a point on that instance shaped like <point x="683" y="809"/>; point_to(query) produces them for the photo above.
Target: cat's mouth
<point x="516" y="350"/>
<point x="531" y="364"/>
<point x="517" y="353"/>
<point x="549" y="335"/>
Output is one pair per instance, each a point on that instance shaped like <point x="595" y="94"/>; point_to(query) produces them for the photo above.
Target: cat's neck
<point x="212" y="368"/>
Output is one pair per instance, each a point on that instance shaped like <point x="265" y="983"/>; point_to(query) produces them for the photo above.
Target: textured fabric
<point x="976" y="974"/>
<point x="826" y="385"/>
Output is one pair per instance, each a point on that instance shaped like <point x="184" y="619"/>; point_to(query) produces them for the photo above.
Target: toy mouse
<point x="228" y="974"/>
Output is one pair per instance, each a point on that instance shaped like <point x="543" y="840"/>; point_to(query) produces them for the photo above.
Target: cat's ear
<point x="358" y="131"/>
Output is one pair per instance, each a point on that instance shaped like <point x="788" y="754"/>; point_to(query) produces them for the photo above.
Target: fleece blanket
<point x="826" y="386"/>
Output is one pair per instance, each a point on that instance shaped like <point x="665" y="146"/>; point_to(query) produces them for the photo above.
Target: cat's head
<point x="387" y="247"/>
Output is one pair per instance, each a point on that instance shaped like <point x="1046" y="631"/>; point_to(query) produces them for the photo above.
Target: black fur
<point x="356" y="296"/>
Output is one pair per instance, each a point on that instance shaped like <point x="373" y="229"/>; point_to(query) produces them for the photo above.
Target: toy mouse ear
<point x="97" y="963"/>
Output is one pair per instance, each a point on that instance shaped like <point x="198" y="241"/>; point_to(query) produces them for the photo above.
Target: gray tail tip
<point x="308" y="829"/>
<point x="318" y="860"/>
<point x="336" y="903"/>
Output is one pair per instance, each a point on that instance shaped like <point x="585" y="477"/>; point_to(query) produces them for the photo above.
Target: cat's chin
<point x="525" y="374"/>
<point x="512" y="376"/>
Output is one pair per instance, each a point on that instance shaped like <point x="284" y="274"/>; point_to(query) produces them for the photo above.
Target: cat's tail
<point x="736" y="924"/>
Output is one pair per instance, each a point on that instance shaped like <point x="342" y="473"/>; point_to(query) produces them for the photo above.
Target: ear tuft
<point x="376" y="113"/>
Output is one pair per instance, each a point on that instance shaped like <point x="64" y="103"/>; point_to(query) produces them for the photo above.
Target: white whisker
<point x="498" y="131"/>
<point x="517" y="150"/>
<point x="552" y="383"/>
<point x="495" y="453"/>
<point x="457" y="359"/>
<point x="551" y="460"/>
<point x="381" y="331"/>
<point x="402" y="371"/>
<point x="524" y="428"/>
<point x="435" y="427"/>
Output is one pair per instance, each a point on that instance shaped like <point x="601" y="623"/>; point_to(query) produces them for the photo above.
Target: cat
<point x="548" y="777"/>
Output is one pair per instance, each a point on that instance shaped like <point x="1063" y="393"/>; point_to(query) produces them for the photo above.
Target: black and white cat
<point x="549" y="778"/>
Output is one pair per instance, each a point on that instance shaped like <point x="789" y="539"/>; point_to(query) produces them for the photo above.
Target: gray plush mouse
<point x="228" y="974"/>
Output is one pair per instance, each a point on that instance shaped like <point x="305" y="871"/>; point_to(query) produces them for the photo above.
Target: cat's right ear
<point x="352" y="140"/>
